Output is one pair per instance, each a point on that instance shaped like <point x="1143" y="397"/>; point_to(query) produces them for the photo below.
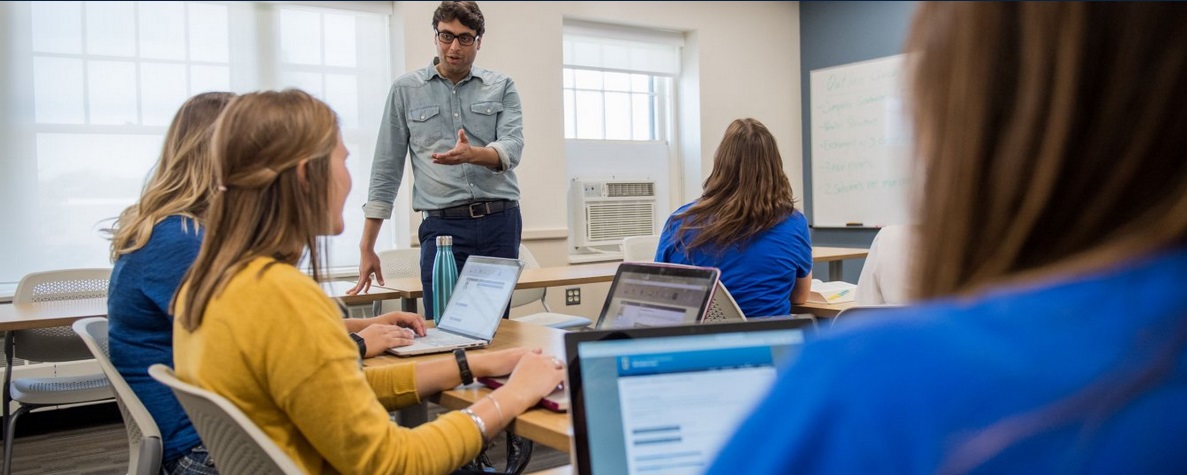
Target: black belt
<point x="477" y="209"/>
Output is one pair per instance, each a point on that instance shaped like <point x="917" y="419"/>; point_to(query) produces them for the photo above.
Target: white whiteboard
<point x="860" y="142"/>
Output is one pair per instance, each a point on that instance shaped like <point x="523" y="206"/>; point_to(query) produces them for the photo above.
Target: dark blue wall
<point x="832" y="34"/>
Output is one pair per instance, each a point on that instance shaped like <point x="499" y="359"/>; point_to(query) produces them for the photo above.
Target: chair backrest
<point x="526" y="296"/>
<point x="639" y="248"/>
<point x="56" y="343"/>
<point x="861" y="311"/>
<point x="723" y="308"/>
<point x="234" y="441"/>
<point x="144" y="438"/>
<point x="399" y="263"/>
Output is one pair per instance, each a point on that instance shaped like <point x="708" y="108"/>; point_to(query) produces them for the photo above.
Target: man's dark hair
<point x="465" y="12"/>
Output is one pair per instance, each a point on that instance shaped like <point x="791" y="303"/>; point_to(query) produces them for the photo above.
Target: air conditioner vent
<point x="615" y="190"/>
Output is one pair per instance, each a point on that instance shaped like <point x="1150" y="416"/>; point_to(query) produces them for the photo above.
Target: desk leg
<point x="834" y="270"/>
<point x="408" y="305"/>
<point x="9" y="354"/>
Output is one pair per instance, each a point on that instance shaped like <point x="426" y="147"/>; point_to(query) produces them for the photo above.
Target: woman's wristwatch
<point x="358" y="340"/>
<point x="463" y="366"/>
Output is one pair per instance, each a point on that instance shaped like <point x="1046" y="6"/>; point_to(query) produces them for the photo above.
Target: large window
<point x="90" y="87"/>
<point x="619" y="98"/>
<point x="618" y="81"/>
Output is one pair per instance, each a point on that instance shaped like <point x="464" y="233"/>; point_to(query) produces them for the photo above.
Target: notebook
<point x="648" y="294"/>
<point x="475" y="309"/>
<point x="640" y="396"/>
<point x="556" y="401"/>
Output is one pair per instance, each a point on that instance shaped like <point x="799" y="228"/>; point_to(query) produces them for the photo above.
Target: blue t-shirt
<point x="904" y="392"/>
<point x="140" y="326"/>
<point x="759" y="274"/>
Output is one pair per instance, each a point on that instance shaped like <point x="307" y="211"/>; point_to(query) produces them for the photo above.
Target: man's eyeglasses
<point x="446" y="38"/>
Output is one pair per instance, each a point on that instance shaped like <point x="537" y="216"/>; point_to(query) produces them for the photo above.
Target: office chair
<point x="235" y="442"/>
<point x="860" y="311"/>
<point x="397" y="264"/>
<point x="145" y="446"/>
<point x="639" y="248"/>
<point x="547" y="317"/>
<point x="51" y="345"/>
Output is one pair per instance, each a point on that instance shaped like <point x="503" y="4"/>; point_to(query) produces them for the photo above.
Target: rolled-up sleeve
<point x="509" y="139"/>
<point x="391" y="151"/>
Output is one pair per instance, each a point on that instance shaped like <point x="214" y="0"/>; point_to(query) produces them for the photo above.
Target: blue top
<point x="901" y="393"/>
<point x="423" y="113"/>
<point x="759" y="274"/>
<point x="140" y="327"/>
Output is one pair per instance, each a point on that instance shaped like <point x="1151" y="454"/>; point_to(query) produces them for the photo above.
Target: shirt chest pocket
<point x="485" y="120"/>
<point x="424" y="127"/>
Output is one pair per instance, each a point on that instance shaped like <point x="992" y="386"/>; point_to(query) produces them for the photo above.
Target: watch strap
<point x="362" y="344"/>
<point x="463" y="366"/>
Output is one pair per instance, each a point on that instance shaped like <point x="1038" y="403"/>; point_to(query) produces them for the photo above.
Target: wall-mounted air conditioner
<point x="604" y="211"/>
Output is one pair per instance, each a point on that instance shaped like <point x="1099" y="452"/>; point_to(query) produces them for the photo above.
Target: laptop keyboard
<point x="440" y="338"/>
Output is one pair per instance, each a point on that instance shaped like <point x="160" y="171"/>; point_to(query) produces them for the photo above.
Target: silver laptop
<point x="475" y="309"/>
<point x="665" y="400"/>
<point x="647" y="294"/>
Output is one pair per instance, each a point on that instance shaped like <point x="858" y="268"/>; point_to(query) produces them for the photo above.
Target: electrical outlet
<point x="573" y="296"/>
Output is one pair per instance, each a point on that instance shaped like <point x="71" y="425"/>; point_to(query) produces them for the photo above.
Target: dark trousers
<point x="494" y="235"/>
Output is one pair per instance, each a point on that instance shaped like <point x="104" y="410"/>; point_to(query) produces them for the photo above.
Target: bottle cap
<point x="444" y="240"/>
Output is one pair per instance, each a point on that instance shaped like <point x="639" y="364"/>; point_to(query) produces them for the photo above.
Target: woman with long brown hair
<point x="253" y="327"/>
<point x="1052" y="332"/>
<point x="745" y="223"/>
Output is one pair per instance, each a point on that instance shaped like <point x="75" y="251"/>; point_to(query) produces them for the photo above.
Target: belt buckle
<point x="485" y="211"/>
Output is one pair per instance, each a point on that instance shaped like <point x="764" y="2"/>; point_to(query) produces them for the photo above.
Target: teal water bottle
<point x="444" y="276"/>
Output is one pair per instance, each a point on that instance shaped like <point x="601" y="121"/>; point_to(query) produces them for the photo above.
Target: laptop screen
<point x="482" y="292"/>
<point x="640" y="397"/>
<point x="652" y="295"/>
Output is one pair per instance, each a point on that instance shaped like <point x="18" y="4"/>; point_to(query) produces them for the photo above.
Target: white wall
<point x="746" y="64"/>
<point x="741" y="60"/>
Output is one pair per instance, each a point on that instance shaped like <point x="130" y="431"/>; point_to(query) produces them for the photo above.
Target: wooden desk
<point x="24" y="316"/>
<point x="822" y="310"/>
<point x="553" y="429"/>
<point x="834" y="255"/>
<point x="410" y="288"/>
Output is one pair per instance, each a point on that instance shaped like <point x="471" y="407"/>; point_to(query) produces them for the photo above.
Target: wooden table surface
<point x="23" y="316"/>
<point x="553" y="429"/>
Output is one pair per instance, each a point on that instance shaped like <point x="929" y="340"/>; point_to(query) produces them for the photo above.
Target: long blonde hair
<point x="1052" y="134"/>
<point x="746" y="193"/>
<point x="266" y="209"/>
<point x="183" y="179"/>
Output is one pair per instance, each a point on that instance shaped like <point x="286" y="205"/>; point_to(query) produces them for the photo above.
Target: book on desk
<point x="832" y="292"/>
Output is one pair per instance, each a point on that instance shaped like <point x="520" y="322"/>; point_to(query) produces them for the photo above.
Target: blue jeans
<point x="195" y="462"/>
<point x="494" y="235"/>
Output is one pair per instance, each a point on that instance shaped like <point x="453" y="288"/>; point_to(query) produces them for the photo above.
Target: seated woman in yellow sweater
<point x="254" y="328"/>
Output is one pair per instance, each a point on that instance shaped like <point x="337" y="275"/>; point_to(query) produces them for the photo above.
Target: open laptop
<point x="666" y="399"/>
<point x="475" y="309"/>
<point x="645" y="294"/>
<point x="648" y="294"/>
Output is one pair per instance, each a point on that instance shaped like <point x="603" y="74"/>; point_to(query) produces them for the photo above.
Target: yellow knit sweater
<point x="274" y="345"/>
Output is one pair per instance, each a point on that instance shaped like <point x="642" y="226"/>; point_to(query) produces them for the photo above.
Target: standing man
<point x="462" y="127"/>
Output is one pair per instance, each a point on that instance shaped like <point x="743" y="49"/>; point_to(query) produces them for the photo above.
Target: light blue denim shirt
<point x="423" y="114"/>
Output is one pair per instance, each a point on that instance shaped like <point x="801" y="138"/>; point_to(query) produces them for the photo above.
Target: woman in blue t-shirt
<point x="1051" y="330"/>
<point x="745" y="223"/>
